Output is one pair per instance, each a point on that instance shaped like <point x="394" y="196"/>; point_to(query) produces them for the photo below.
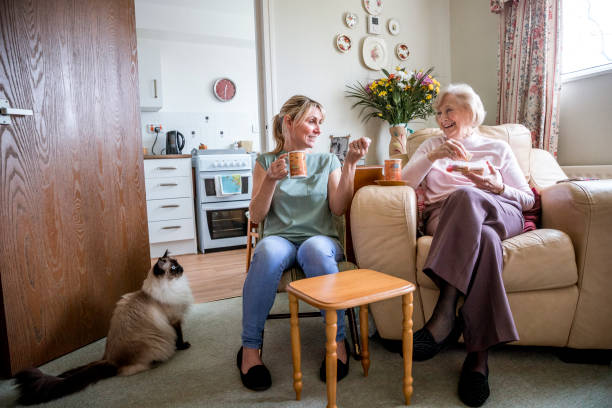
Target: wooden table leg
<point x="363" y="326"/>
<point x="295" y="347"/>
<point x="331" y="357"/>
<point x="407" y="344"/>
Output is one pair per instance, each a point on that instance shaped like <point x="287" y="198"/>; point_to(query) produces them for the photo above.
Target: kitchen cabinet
<point x="170" y="212"/>
<point x="149" y="75"/>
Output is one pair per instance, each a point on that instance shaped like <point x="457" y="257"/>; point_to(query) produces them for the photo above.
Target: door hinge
<point x="6" y="111"/>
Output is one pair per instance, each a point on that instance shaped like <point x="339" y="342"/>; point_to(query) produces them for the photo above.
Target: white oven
<point x="224" y="224"/>
<point x="224" y="182"/>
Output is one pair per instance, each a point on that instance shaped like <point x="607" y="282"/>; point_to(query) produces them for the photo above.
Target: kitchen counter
<point x="166" y="156"/>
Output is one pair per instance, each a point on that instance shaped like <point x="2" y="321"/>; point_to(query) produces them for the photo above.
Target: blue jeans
<point x="318" y="255"/>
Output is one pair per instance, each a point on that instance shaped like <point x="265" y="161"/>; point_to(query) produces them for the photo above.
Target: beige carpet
<point x="206" y="374"/>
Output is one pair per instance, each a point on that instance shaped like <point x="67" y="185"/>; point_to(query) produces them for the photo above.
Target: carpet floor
<point x="206" y="374"/>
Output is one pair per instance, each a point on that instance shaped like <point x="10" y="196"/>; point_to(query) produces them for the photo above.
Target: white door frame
<point x="266" y="71"/>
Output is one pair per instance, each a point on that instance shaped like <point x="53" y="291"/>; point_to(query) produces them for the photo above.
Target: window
<point x="586" y="39"/>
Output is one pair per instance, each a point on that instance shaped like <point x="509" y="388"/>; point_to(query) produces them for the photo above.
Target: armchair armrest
<point x="583" y="210"/>
<point x="383" y="226"/>
<point x="545" y="171"/>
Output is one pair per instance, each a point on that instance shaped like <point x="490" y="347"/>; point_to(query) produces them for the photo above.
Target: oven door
<point x="222" y="224"/>
<point x="209" y="182"/>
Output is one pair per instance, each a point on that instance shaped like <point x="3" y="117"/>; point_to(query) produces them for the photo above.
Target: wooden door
<point x="73" y="234"/>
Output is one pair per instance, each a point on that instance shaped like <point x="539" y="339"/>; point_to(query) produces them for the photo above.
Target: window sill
<point x="586" y="73"/>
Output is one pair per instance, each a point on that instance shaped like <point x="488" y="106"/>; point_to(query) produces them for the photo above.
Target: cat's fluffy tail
<point x="35" y="387"/>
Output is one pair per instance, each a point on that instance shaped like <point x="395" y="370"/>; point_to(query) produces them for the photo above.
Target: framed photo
<point x="339" y="146"/>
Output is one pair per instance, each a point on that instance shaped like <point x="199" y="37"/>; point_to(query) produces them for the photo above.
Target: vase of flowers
<point x="397" y="98"/>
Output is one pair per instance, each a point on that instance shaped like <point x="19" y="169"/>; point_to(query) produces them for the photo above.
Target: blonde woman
<point x="298" y="226"/>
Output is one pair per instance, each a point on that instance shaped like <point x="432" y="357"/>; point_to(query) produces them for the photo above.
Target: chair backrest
<point x="517" y="136"/>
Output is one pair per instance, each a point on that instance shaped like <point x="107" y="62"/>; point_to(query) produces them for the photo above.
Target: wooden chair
<point x="255" y="232"/>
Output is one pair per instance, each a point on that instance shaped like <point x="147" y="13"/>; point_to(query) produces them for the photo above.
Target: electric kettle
<point x="175" y="141"/>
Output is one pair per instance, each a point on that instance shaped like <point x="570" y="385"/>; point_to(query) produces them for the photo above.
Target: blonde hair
<point x="468" y="97"/>
<point x="296" y="108"/>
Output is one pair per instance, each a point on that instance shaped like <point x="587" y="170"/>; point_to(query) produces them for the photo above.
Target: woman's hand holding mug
<point x="278" y="168"/>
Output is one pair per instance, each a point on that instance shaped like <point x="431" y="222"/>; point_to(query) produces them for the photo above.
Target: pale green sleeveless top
<point x="300" y="207"/>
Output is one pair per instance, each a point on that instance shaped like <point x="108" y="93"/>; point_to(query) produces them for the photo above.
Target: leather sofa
<point x="558" y="278"/>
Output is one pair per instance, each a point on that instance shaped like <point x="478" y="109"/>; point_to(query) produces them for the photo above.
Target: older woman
<point x="469" y="213"/>
<point x="298" y="226"/>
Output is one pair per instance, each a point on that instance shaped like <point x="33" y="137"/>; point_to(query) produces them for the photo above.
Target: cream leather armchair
<point x="558" y="278"/>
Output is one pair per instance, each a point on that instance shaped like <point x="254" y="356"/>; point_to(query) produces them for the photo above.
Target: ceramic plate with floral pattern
<point x="373" y="7"/>
<point x="393" y="26"/>
<point x="350" y="19"/>
<point x="374" y="53"/>
<point x="343" y="43"/>
<point x="402" y="52"/>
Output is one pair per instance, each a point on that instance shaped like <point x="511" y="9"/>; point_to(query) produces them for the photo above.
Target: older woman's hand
<point x="357" y="149"/>
<point x="278" y="168"/>
<point x="492" y="182"/>
<point x="452" y="149"/>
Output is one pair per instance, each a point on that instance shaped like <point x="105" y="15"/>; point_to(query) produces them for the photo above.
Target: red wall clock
<point x="224" y="89"/>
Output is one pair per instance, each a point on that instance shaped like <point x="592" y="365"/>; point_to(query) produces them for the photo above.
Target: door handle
<point x="170" y="206"/>
<point x="172" y="227"/>
<point x="167" y="168"/>
<point x="168" y="184"/>
<point x="6" y="111"/>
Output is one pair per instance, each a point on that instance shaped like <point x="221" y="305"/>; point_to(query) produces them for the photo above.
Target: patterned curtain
<point x="529" y="67"/>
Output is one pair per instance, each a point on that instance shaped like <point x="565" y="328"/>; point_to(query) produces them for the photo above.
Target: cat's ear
<point x="165" y="254"/>
<point x="157" y="269"/>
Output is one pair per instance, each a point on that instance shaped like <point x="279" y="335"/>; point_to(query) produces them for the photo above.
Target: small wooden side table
<point x="340" y="291"/>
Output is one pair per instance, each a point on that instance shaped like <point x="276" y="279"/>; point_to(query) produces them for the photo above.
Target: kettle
<point x="175" y="141"/>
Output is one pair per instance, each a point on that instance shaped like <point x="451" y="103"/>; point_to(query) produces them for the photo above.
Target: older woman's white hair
<point x="468" y="97"/>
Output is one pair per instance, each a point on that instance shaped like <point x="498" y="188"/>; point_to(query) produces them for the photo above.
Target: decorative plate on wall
<point x="350" y="19"/>
<point x="374" y="53"/>
<point x="343" y="43"/>
<point x="394" y="26"/>
<point x="373" y="7"/>
<point x="224" y="89"/>
<point x="402" y="52"/>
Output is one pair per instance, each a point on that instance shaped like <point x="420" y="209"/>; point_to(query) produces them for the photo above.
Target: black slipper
<point x="473" y="387"/>
<point x="342" y="368"/>
<point x="425" y="347"/>
<point x="257" y="378"/>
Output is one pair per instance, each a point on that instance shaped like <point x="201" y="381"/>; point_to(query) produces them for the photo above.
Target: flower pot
<point x="397" y="145"/>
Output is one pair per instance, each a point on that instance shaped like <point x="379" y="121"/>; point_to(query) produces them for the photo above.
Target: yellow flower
<point x="382" y="93"/>
<point x="422" y="100"/>
<point x="388" y="106"/>
<point x="428" y="97"/>
<point x="380" y="114"/>
<point x="430" y="87"/>
<point x="437" y="89"/>
<point x="374" y="85"/>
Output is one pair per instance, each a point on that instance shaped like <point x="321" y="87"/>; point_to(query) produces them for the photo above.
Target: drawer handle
<point x="168" y="184"/>
<point x="170" y="206"/>
<point x="166" y="168"/>
<point x="172" y="227"/>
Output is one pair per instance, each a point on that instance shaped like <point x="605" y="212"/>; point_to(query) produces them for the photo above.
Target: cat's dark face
<point x="167" y="267"/>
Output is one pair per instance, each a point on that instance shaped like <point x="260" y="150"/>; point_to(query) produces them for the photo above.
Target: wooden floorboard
<point x="216" y="275"/>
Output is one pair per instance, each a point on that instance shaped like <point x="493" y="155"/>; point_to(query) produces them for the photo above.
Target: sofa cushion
<point x="535" y="260"/>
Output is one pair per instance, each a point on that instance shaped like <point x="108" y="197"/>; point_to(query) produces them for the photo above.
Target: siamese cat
<point x="145" y="329"/>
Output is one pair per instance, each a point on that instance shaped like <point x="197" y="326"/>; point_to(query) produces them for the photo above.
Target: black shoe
<point x="425" y="347"/>
<point x="257" y="378"/>
<point x="342" y="368"/>
<point x="473" y="387"/>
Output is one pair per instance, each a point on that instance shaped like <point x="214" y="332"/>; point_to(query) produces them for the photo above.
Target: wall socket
<point x="151" y="127"/>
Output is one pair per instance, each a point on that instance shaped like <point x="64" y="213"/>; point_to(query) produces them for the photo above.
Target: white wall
<point x="306" y="61"/>
<point x="473" y="37"/>
<point x="585" y="111"/>
<point x="201" y="41"/>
